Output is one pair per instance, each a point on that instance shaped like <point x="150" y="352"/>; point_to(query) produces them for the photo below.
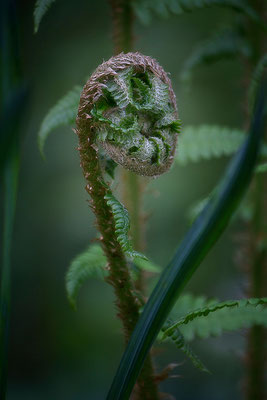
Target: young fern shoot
<point x="128" y="109"/>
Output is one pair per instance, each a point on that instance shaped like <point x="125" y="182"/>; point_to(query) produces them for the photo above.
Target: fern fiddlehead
<point x="130" y="106"/>
<point x="128" y="109"/>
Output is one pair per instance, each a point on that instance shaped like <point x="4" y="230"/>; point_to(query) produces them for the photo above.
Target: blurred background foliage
<point x="56" y="353"/>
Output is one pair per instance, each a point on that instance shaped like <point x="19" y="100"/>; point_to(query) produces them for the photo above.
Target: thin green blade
<point x="203" y="234"/>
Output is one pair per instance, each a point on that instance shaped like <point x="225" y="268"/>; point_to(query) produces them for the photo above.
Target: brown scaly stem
<point x="119" y="277"/>
<point x="122" y="19"/>
<point x="134" y="187"/>
<point x="92" y="121"/>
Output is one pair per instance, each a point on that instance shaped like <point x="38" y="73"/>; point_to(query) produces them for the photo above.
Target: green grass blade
<point x="203" y="234"/>
<point x="10" y="194"/>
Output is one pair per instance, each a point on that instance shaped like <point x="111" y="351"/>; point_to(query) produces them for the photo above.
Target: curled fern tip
<point x="128" y="108"/>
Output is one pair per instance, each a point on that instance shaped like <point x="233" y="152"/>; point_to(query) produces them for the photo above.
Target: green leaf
<point x="41" y="8"/>
<point x="204" y="142"/>
<point x="179" y="341"/>
<point x="63" y="113"/>
<point x="213" y="319"/>
<point x="119" y="92"/>
<point x="194" y="247"/>
<point x="188" y="302"/>
<point x="122" y="226"/>
<point x="223" y="45"/>
<point x="261" y="168"/>
<point x="141" y="264"/>
<point x="89" y="264"/>
<point x="147" y="265"/>
<point x="144" y="9"/>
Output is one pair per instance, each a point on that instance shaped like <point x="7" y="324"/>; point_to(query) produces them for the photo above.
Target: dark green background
<point x="56" y="353"/>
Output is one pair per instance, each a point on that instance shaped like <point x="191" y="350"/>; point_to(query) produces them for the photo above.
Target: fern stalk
<point x="10" y="187"/>
<point x="119" y="277"/>
<point x="256" y="349"/>
<point x="118" y="272"/>
<point x="122" y="27"/>
<point x="12" y="99"/>
<point x="122" y="18"/>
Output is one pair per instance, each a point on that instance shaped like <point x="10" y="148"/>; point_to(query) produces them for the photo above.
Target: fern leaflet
<point x="144" y="265"/>
<point x="89" y="264"/>
<point x="223" y="45"/>
<point x="41" y="8"/>
<point x="209" y="141"/>
<point x="63" y="113"/>
<point x="179" y="341"/>
<point x="147" y="265"/>
<point x="245" y="210"/>
<point x="163" y="8"/>
<point x="122" y="226"/>
<point x="261" y="168"/>
<point x="214" y="318"/>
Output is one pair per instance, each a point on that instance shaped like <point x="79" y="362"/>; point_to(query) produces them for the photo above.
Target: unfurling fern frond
<point x="122" y="226"/>
<point x="129" y="105"/>
<point x="89" y="264"/>
<point x="63" y="113"/>
<point x="144" y="9"/>
<point x="223" y="45"/>
<point x="212" y="320"/>
<point x="260" y="69"/>
<point x="179" y="341"/>
<point x="41" y="7"/>
<point x="206" y="142"/>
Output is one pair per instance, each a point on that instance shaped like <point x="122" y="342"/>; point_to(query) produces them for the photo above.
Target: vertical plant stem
<point x="256" y="351"/>
<point x="133" y="195"/>
<point x="119" y="277"/>
<point x="257" y="275"/>
<point x="10" y="113"/>
<point x="122" y="17"/>
<point x="10" y="194"/>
